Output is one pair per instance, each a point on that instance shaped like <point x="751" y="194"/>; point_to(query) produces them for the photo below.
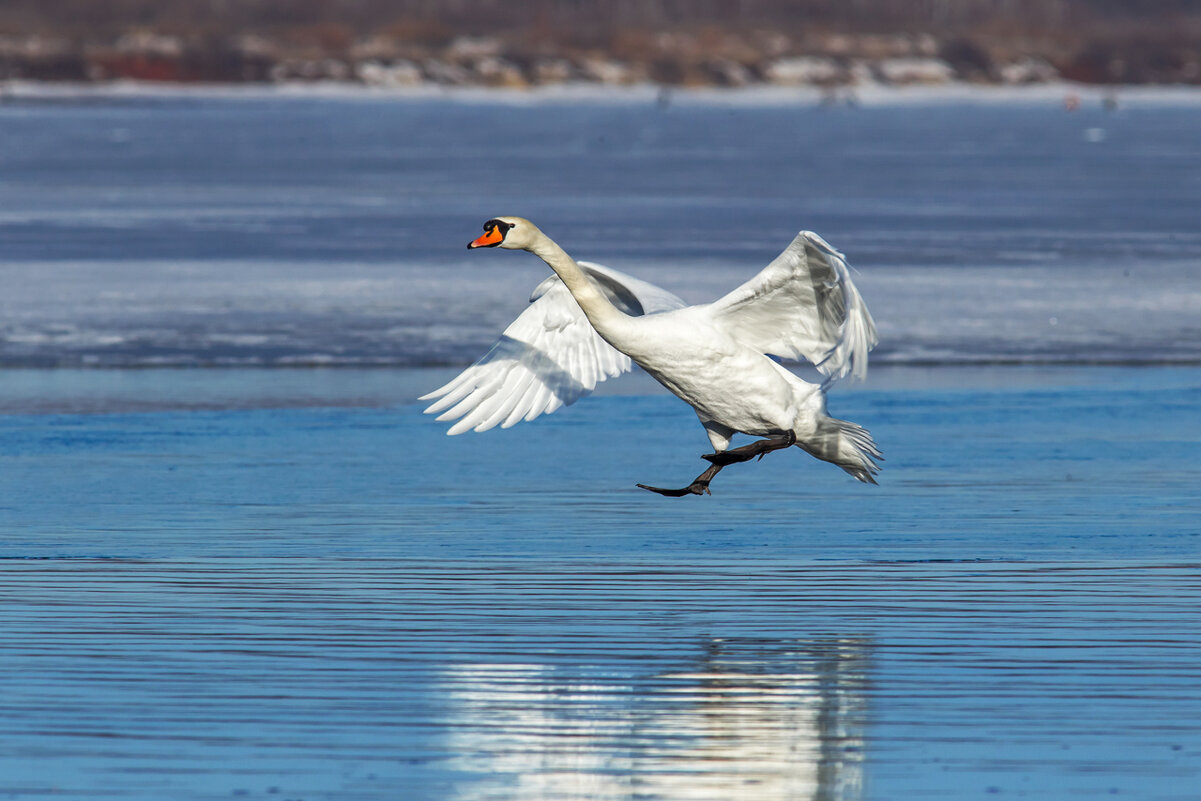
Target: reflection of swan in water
<point x="753" y="720"/>
<point x="527" y="733"/>
<point x="777" y="725"/>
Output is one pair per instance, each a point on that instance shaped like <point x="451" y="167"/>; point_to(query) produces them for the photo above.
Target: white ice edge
<point x="874" y="94"/>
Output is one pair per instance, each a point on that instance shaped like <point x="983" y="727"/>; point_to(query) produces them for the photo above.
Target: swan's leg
<point x="700" y="485"/>
<point x="748" y="452"/>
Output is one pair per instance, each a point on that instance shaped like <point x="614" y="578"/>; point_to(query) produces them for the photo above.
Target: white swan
<point x="587" y="322"/>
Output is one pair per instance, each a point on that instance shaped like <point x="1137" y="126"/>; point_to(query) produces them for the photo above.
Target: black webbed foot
<point x="699" y="485"/>
<point x="695" y="488"/>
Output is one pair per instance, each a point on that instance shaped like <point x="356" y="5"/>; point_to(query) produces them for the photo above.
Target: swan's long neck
<point x="609" y="321"/>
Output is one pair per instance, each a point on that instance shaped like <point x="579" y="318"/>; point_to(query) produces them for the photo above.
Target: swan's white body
<point x="586" y="324"/>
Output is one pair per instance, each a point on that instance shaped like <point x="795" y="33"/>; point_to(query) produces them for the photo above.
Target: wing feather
<point x="549" y="357"/>
<point x="522" y="402"/>
<point x="455" y="392"/>
<point x="803" y="305"/>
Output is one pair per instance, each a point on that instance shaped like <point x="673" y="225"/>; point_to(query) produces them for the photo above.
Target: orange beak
<point x="491" y="238"/>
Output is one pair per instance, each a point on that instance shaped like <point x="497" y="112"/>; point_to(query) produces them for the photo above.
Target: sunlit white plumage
<point x="803" y="306"/>
<point x="586" y="323"/>
<point x="550" y="356"/>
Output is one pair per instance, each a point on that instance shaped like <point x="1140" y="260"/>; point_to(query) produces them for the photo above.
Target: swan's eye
<point x="501" y="224"/>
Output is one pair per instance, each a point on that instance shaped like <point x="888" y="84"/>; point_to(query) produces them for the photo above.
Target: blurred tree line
<point x="1090" y="40"/>
<point x="585" y="18"/>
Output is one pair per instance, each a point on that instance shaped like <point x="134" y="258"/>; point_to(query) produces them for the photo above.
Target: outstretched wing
<point x="550" y="356"/>
<point x="803" y="306"/>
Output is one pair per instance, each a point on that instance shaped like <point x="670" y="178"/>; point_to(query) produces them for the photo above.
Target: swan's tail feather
<point x="848" y="445"/>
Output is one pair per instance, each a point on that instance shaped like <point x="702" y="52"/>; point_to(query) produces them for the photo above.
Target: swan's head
<point x="514" y="233"/>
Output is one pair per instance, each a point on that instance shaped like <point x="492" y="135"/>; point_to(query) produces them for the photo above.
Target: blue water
<point x="255" y="580"/>
<point x="1046" y="464"/>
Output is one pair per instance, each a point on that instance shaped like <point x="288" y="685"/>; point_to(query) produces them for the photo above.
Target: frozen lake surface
<point x="256" y="581"/>
<point x="277" y="230"/>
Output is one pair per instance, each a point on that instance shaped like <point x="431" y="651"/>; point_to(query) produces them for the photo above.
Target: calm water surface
<point x="337" y="601"/>
<point x="354" y="678"/>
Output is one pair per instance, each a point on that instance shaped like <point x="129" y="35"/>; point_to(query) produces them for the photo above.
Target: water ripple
<point x="544" y="679"/>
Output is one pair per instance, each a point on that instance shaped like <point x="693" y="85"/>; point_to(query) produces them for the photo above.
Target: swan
<point x="587" y="323"/>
